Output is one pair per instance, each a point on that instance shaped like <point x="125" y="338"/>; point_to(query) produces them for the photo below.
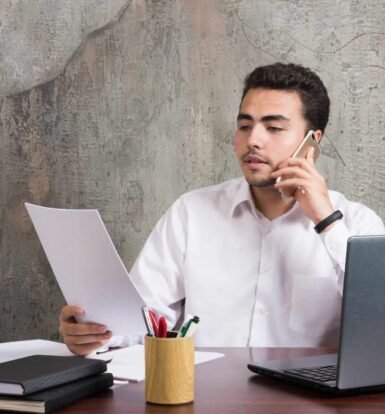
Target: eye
<point x="244" y="128"/>
<point x="274" y="129"/>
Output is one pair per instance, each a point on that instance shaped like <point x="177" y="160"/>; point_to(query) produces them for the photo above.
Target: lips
<point x="254" y="159"/>
<point x="254" y="162"/>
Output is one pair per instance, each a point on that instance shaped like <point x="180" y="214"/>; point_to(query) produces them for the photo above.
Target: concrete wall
<point x="124" y="105"/>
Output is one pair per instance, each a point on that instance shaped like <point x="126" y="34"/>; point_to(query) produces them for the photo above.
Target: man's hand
<point x="81" y="338"/>
<point x="311" y="191"/>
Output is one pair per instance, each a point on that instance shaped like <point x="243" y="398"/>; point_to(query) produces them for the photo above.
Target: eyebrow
<point x="242" y="116"/>
<point x="274" y="117"/>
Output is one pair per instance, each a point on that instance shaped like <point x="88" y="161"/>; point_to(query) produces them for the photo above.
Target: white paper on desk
<point x="128" y="363"/>
<point x="87" y="267"/>
<point x="21" y="349"/>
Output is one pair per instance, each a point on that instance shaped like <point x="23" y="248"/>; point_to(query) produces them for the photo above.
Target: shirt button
<point x="266" y="269"/>
<point x="334" y="247"/>
<point x="261" y="311"/>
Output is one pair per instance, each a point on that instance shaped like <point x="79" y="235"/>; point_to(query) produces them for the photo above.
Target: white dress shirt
<point x="252" y="281"/>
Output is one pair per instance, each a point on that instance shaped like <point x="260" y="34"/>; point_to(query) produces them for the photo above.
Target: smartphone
<point x="308" y="142"/>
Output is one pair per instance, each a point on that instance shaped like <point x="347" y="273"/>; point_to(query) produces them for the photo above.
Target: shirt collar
<point x="242" y="195"/>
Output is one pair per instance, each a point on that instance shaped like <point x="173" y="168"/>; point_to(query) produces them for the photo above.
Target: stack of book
<point x="44" y="383"/>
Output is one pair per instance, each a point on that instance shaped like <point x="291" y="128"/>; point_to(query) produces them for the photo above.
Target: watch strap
<point x="337" y="215"/>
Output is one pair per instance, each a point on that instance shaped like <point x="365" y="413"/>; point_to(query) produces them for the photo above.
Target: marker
<point x="186" y="326"/>
<point x="183" y="328"/>
<point x="162" y="327"/>
<point x="191" y="327"/>
<point x="154" y="321"/>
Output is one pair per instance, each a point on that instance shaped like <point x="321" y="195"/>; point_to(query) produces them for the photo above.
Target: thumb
<point x="69" y="312"/>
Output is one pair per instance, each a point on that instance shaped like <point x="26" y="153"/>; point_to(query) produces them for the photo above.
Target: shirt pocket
<point x="315" y="305"/>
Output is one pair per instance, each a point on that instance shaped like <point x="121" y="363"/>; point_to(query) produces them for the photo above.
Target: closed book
<point x="27" y="375"/>
<point x="57" y="397"/>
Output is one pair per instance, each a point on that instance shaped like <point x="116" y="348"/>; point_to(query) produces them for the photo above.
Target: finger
<point x="86" y="349"/>
<point x="282" y="164"/>
<point x="73" y="328"/>
<point x="87" y="339"/>
<point x="292" y="182"/>
<point x="291" y="171"/>
<point x="70" y="311"/>
<point x="303" y="163"/>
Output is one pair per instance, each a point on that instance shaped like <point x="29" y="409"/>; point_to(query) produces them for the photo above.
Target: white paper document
<point x="88" y="268"/>
<point x="128" y="363"/>
<point x="21" y="349"/>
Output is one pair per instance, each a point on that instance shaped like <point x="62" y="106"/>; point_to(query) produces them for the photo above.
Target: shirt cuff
<point x="335" y="241"/>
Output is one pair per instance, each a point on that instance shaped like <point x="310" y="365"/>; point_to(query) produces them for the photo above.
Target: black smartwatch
<point x="321" y="226"/>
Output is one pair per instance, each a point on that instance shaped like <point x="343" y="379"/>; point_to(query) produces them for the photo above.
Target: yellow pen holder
<point x="169" y="370"/>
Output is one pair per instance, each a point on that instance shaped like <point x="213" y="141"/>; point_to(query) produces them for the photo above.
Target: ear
<point x="318" y="135"/>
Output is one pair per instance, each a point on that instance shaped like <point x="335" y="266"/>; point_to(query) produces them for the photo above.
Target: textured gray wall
<point x="124" y="105"/>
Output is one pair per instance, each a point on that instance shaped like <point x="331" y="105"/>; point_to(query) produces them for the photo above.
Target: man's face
<point x="270" y="126"/>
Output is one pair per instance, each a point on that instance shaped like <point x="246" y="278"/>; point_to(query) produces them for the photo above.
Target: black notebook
<point x="27" y="375"/>
<point x="57" y="397"/>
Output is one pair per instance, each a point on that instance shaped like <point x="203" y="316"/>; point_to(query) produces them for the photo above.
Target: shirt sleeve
<point x="359" y="221"/>
<point x="157" y="272"/>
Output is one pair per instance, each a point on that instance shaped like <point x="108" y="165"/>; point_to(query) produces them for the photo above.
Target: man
<point x="247" y="260"/>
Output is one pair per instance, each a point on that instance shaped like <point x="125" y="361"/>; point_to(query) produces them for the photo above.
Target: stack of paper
<point x="128" y="363"/>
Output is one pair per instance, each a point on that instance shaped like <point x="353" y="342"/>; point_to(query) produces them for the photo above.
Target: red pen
<point x="154" y="321"/>
<point x="162" y="327"/>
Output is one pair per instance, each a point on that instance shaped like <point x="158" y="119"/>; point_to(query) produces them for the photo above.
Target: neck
<point x="270" y="202"/>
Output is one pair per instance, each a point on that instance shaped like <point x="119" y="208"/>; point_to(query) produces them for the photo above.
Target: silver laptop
<point x="359" y="365"/>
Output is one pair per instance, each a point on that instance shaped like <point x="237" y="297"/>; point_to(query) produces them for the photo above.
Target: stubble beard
<point x="260" y="182"/>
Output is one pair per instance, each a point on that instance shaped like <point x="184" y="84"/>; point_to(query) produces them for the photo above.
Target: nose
<point x="256" y="139"/>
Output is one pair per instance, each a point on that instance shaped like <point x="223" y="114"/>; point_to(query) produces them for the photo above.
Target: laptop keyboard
<point x="322" y="374"/>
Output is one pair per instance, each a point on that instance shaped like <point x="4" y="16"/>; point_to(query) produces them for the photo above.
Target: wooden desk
<point x="227" y="386"/>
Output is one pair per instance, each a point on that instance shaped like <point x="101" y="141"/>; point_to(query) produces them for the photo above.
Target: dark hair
<point x="296" y="78"/>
